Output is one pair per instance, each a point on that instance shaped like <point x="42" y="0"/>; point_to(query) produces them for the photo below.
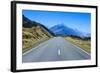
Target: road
<point x="55" y="49"/>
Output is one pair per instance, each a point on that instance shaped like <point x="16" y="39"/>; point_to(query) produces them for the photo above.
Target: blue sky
<point x="75" y="20"/>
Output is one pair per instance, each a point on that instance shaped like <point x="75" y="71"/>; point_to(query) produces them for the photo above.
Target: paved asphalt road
<point x="55" y="49"/>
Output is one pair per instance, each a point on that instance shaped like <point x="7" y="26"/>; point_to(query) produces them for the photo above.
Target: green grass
<point x="84" y="44"/>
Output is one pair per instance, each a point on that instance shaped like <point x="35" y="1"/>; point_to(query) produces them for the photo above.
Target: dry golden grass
<point x="84" y="44"/>
<point x="31" y="38"/>
<point x="30" y="43"/>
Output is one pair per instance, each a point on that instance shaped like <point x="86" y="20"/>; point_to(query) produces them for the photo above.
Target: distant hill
<point x="33" y="33"/>
<point x="63" y="30"/>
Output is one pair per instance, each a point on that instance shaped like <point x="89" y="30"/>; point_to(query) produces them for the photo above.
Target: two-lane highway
<point x="55" y="49"/>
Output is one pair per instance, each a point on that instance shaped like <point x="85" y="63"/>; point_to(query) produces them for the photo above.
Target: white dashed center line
<point x="59" y="52"/>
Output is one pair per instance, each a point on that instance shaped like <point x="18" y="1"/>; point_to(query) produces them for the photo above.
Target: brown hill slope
<point x="33" y="34"/>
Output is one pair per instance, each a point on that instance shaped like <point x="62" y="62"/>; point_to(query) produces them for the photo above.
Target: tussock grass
<point x="84" y="44"/>
<point x="30" y="43"/>
<point x="32" y="38"/>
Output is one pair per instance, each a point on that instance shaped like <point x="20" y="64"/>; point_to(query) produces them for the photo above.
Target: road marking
<point x="27" y="52"/>
<point x="79" y="48"/>
<point x="35" y="48"/>
<point x="59" y="51"/>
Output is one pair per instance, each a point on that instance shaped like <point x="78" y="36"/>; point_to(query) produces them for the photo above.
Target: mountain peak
<point x="63" y="30"/>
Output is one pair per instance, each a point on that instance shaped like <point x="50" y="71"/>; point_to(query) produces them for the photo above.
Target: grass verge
<point x="31" y="44"/>
<point x="84" y="44"/>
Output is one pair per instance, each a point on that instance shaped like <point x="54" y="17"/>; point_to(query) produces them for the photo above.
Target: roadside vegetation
<point x="84" y="43"/>
<point x="32" y="38"/>
<point x="33" y="33"/>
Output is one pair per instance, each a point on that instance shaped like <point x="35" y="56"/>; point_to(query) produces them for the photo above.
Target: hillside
<point x="33" y="33"/>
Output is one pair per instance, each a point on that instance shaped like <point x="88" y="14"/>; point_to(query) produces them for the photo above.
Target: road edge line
<point x="80" y="48"/>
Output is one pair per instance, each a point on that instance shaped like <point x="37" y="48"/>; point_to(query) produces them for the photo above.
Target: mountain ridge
<point x="63" y="30"/>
